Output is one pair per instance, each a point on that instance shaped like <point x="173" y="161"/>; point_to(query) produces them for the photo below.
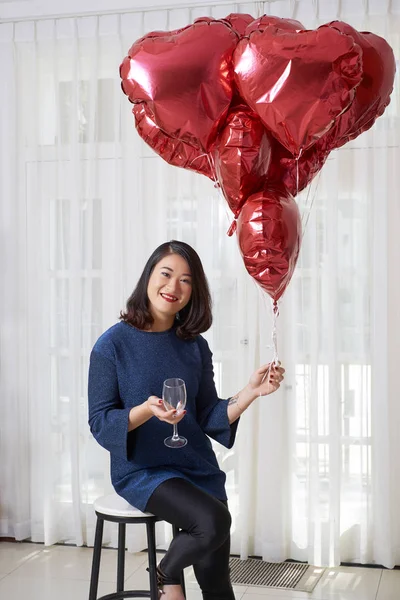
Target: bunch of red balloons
<point x="257" y="105"/>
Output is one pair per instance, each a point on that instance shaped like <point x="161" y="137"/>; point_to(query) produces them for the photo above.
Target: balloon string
<point x="217" y="185"/>
<point x="201" y="156"/>
<point x="275" y="359"/>
<point x="297" y="170"/>
<point x="312" y="202"/>
<point x="210" y="159"/>
<point x="305" y="212"/>
<point x="275" y="310"/>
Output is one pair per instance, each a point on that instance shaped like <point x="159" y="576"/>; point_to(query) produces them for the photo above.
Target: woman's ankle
<point x="172" y="592"/>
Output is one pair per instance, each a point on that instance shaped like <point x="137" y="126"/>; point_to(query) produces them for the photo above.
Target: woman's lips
<point x="169" y="298"/>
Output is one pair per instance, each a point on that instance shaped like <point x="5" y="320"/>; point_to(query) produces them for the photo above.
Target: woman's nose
<point x="173" y="286"/>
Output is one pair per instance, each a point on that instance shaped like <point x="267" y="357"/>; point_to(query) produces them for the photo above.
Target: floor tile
<point x="140" y="580"/>
<point x="191" y="583"/>
<point x="13" y="555"/>
<point x="192" y="594"/>
<point x="76" y="563"/>
<point x="190" y="579"/>
<point x="267" y="594"/>
<point x="35" y="571"/>
<point x="389" y="586"/>
<point x="22" y="588"/>
<point x="282" y="594"/>
<point x="348" y="583"/>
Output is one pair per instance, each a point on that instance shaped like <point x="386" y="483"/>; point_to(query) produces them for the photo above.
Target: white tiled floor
<point x="34" y="572"/>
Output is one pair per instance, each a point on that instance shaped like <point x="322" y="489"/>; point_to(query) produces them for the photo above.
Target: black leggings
<point x="204" y="541"/>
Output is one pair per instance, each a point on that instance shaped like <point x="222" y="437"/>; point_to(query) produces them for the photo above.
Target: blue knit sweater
<point x="127" y="366"/>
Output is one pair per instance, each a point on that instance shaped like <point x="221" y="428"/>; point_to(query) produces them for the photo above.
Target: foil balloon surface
<point x="239" y="22"/>
<point x="373" y="94"/>
<point x="185" y="79"/>
<point x="267" y="20"/>
<point x="295" y="174"/>
<point x="298" y="82"/>
<point x="242" y="156"/>
<point x="269" y="236"/>
<point x="371" y="98"/>
<point x="175" y="152"/>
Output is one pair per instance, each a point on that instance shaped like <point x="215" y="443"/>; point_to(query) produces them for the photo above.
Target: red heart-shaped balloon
<point x="269" y="235"/>
<point x="174" y="151"/>
<point x="266" y="20"/>
<point x="371" y="98"/>
<point x="298" y="82"/>
<point x="295" y="174"/>
<point x="185" y="78"/>
<point x="373" y="94"/>
<point x="241" y="156"/>
<point x="239" y="22"/>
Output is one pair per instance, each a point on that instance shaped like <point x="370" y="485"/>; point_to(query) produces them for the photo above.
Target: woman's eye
<point x="186" y="281"/>
<point x="165" y="274"/>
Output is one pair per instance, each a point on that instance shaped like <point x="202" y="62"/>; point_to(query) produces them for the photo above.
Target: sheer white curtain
<point x="314" y="473"/>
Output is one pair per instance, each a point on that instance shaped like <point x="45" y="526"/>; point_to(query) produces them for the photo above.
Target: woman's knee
<point x="215" y="526"/>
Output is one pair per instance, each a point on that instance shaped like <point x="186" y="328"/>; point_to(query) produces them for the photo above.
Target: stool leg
<point x="175" y="531"/>
<point x="151" y="550"/>
<point x="121" y="557"/>
<point x="94" y="578"/>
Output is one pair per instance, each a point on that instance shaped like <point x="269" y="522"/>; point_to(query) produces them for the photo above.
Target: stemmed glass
<point x="174" y="396"/>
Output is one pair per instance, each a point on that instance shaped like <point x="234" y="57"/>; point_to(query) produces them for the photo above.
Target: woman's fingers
<point x="271" y="367"/>
<point x="263" y="369"/>
<point x="277" y="373"/>
<point x="154" y="401"/>
<point x="276" y="377"/>
<point x="275" y="385"/>
<point x="277" y="380"/>
<point x="158" y="410"/>
<point x="172" y="417"/>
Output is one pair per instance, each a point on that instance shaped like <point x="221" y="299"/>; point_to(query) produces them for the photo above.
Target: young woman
<point x="159" y="338"/>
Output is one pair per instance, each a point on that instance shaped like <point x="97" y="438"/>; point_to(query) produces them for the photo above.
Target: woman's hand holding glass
<point x="156" y="406"/>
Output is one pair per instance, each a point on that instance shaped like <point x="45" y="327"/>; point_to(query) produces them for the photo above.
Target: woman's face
<point x="170" y="286"/>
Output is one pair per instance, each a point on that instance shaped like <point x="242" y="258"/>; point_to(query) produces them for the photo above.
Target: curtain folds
<point x="314" y="475"/>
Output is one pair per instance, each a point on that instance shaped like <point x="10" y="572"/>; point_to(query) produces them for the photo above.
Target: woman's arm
<point x="108" y="418"/>
<point x="238" y="404"/>
<point x="264" y="381"/>
<point x="109" y="421"/>
<point x="139" y="415"/>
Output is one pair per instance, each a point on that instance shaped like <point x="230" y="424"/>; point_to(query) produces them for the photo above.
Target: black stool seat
<point x="116" y="509"/>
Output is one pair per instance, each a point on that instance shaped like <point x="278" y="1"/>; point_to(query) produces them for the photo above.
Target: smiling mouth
<point x="169" y="298"/>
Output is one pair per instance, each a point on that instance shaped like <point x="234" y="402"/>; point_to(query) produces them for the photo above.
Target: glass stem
<point x="175" y="435"/>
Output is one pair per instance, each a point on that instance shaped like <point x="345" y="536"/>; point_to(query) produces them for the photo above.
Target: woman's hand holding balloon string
<point x="264" y="381"/>
<point x="267" y="379"/>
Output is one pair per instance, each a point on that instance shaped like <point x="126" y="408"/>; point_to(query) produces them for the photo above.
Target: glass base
<point x="178" y="442"/>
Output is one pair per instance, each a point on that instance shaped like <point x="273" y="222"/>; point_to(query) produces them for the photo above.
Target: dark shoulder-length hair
<point x="195" y="317"/>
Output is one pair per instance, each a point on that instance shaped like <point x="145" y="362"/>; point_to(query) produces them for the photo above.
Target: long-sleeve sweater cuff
<point x="218" y="426"/>
<point x="113" y="434"/>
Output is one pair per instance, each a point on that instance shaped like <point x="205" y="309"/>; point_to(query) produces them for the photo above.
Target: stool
<point x="116" y="509"/>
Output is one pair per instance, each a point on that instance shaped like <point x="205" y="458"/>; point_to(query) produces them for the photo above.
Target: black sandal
<point x="162" y="580"/>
